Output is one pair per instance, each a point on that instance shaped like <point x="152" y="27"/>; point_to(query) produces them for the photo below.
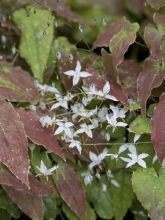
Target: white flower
<point x="79" y="110"/>
<point x="46" y="121"/>
<point x="136" y="137"/>
<point x="105" y="92"/>
<point x="64" y="127"/>
<point x="77" y="73"/>
<point x="86" y="100"/>
<point x="87" y="129"/>
<point x="102" y="114"/>
<point x="77" y="144"/>
<point x="87" y="177"/>
<point x="104" y="187"/>
<point x="118" y="112"/>
<point x="46" y="88"/>
<point x="134" y="158"/>
<point x="113" y="122"/>
<point x="115" y="183"/>
<point x="155" y="158"/>
<point x="96" y="159"/>
<point x="44" y="170"/>
<point x="62" y="101"/>
<point x="127" y="146"/>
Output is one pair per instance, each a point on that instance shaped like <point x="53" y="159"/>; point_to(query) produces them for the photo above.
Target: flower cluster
<point x="81" y="118"/>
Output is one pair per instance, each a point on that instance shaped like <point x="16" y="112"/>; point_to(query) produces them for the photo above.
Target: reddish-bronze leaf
<point x="119" y="36"/>
<point x="16" y="85"/>
<point x="158" y="128"/>
<point x="151" y="77"/>
<point x="71" y="190"/>
<point x="128" y="73"/>
<point x="13" y="142"/>
<point x="100" y="81"/>
<point x="32" y="206"/>
<point x="38" y="134"/>
<point x="36" y="188"/>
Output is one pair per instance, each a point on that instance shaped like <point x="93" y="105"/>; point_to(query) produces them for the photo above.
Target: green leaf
<point x="37" y="27"/>
<point x="150" y="190"/>
<point x="141" y="125"/>
<point x="50" y="208"/>
<point x="4" y="215"/>
<point x="8" y="205"/>
<point x="101" y="200"/>
<point x="71" y="216"/>
<point x="121" y="196"/>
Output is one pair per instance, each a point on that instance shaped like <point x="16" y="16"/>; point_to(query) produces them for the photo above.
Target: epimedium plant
<point x="81" y="115"/>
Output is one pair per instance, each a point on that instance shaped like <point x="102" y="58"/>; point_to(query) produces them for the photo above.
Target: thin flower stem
<point x="119" y="143"/>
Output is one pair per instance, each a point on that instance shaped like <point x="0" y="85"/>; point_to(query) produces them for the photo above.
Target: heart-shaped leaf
<point x="141" y="125"/>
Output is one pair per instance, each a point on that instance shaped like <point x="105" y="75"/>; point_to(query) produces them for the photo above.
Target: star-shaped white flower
<point x="77" y="144"/>
<point x="87" y="177"/>
<point x="64" y="127"/>
<point x="96" y="159"/>
<point x="44" y="170"/>
<point x="87" y="129"/>
<point x="134" y="158"/>
<point x="113" y="122"/>
<point x="105" y="92"/>
<point x="77" y="73"/>
<point x="118" y="112"/>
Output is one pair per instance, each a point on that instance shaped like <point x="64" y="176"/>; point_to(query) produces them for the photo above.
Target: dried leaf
<point x="13" y="142"/>
<point x="38" y="134"/>
<point x="71" y="190"/>
<point x="158" y="129"/>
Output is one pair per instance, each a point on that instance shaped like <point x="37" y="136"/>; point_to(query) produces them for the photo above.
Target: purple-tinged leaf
<point x="71" y="190"/>
<point x="100" y="81"/>
<point x="151" y="77"/>
<point x="16" y="85"/>
<point x="36" y="188"/>
<point x="32" y="206"/>
<point x="156" y="4"/>
<point x="13" y="142"/>
<point x="38" y="134"/>
<point x="158" y="128"/>
<point x="118" y="37"/>
<point x="59" y="8"/>
<point x="128" y="73"/>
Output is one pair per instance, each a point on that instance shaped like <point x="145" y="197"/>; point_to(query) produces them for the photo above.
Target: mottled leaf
<point x="36" y="188"/>
<point x="16" y="85"/>
<point x="156" y="4"/>
<point x="32" y="206"/>
<point x="150" y="190"/>
<point x="71" y="190"/>
<point x="38" y="134"/>
<point x="13" y="142"/>
<point x="119" y="36"/>
<point x="37" y="26"/>
<point x="158" y="129"/>
<point x="122" y="196"/>
<point x="151" y="77"/>
<point x="140" y="125"/>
